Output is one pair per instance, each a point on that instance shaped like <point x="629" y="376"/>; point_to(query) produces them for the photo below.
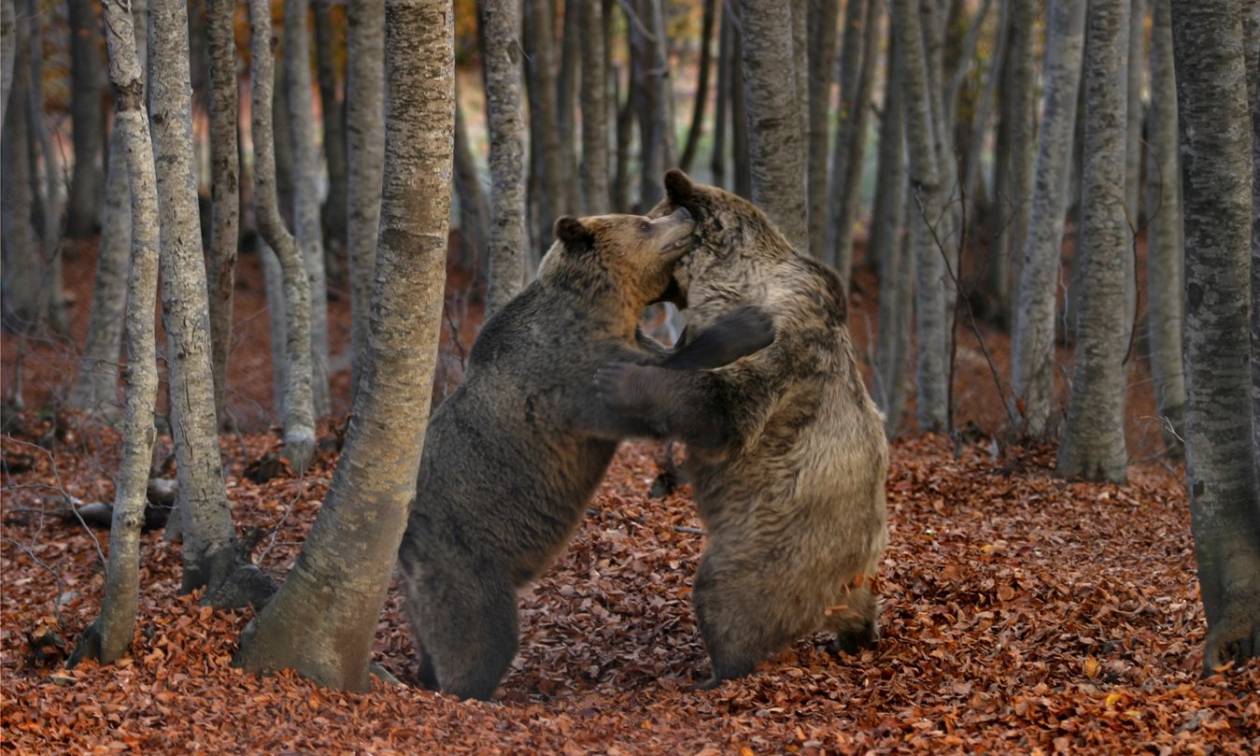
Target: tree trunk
<point x="306" y="221"/>
<point x="52" y="299"/>
<point x="1164" y="243"/>
<point x="8" y="38"/>
<point x="1251" y="28"/>
<point x="225" y="190"/>
<point x="702" y="85"/>
<point x="566" y="104"/>
<point x="849" y="75"/>
<point x="848" y="183"/>
<point x="20" y="300"/>
<point x="822" y="58"/>
<point x="87" y="187"/>
<point x="333" y="214"/>
<point x="365" y="148"/>
<point x="501" y="30"/>
<point x="474" y="210"/>
<point x="656" y="123"/>
<point x="299" y="414"/>
<point x="1032" y="355"/>
<point x="1093" y="445"/>
<point x="323" y="620"/>
<point x="1221" y="470"/>
<point x="594" y="168"/>
<point x="776" y="153"/>
<point x="722" y="101"/>
<point x="109" y="636"/>
<point x="800" y="74"/>
<point x="546" y="158"/>
<point x="739" y="108"/>
<point x="1133" y="153"/>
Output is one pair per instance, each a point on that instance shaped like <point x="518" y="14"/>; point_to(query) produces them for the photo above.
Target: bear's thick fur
<point x="785" y="447"/>
<point x="512" y="456"/>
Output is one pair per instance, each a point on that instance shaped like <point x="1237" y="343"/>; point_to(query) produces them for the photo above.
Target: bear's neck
<point x="607" y="310"/>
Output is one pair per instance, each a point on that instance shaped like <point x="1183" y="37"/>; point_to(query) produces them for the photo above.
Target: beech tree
<point x="822" y="57"/>
<point x="87" y="185"/>
<point x="328" y="35"/>
<point x="322" y="622"/>
<point x="545" y="157"/>
<point x="594" y="166"/>
<point x="22" y="260"/>
<point x="1221" y="475"/>
<point x="225" y="189"/>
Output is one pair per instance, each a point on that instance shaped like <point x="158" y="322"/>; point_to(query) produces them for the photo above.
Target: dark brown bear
<point x="512" y="456"/>
<point x="785" y="447"/>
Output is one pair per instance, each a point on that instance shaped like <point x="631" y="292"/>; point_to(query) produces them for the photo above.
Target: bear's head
<point x="625" y="261"/>
<point x="727" y="225"/>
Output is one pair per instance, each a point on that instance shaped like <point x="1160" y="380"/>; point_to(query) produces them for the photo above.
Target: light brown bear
<point x="786" y="450"/>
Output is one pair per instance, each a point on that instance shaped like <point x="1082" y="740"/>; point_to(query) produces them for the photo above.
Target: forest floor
<point x="1021" y="612"/>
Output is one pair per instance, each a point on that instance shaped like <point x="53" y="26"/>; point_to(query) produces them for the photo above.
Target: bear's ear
<point x="573" y="233"/>
<point x="679" y="186"/>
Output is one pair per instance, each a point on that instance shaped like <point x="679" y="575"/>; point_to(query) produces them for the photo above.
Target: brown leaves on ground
<point x="1021" y="613"/>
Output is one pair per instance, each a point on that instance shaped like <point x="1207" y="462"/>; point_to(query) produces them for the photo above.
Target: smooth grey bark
<point x="323" y="621"/>
<point x="21" y="270"/>
<point x="1164" y="239"/>
<point x="546" y="158"/>
<point x="298" y="403"/>
<point x="52" y="298"/>
<point x="501" y="30"/>
<point x="365" y="157"/>
<point x="1018" y="123"/>
<point x="277" y="325"/>
<point x="335" y="207"/>
<point x="1251" y="28"/>
<point x="776" y="152"/>
<point x="209" y="538"/>
<point x="1092" y="446"/>
<point x="800" y="73"/>
<point x="474" y="209"/>
<point x="306" y="219"/>
<point x="110" y="635"/>
<point x="848" y="74"/>
<point x="8" y="34"/>
<point x="1216" y="171"/>
<point x="224" y="190"/>
<point x="822" y="58"/>
<point x="655" y="108"/>
<point x="707" y="23"/>
<point x="844" y="205"/>
<point x="1032" y="350"/>
<point x="593" y="171"/>
<point x="87" y="185"/>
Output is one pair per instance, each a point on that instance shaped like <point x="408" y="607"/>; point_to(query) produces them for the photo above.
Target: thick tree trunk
<point x="22" y="264"/>
<point x="1093" y="445"/>
<point x="1164" y="240"/>
<point x="225" y="190"/>
<point x="656" y="123"/>
<point x="822" y="58"/>
<point x="87" y="187"/>
<point x="702" y="84"/>
<point x="1251" y="28"/>
<point x="594" y="167"/>
<point x="848" y="183"/>
<point x="776" y="153"/>
<point x="109" y="636"/>
<point x="323" y="620"/>
<point x="306" y="221"/>
<point x="365" y="148"/>
<point x="501" y="29"/>
<point x="1221" y="463"/>
<point x="1032" y="355"/>
<point x="333" y="214"/>
<point x="546" y="162"/>
<point x="298" y="404"/>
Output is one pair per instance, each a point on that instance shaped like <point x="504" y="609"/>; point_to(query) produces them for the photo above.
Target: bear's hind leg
<point x="469" y="630"/>
<point x="738" y="621"/>
<point x="855" y="623"/>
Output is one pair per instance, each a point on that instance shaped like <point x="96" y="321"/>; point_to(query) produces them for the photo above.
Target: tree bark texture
<point x="22" y="262"/>
<point x="8" y="37"/>
<point x="1018" y="122"/>
<point x="474" y="209"/>
<point x="546" y="158"/>
<point x="109" y="636"/>
<point x="702" y="83"/>
<point x="1032" y="354"/>
<point x="1251" y="28"/>
<point x="776" y="153"/>
<point x="722" y="101"/>
<point x="1216" y="155"/>
<point x="306" y="219"/>
<point x="1136" y="82"/>
<point x="52" y="305"/>
<point x="739" y="108"/>
<point x="333" y="213"/>
<point x="224" y="188"/>
<point x="848" y="74"/>
<point x="656" y="123"/>
<point x="594" y="166"/>
<point x="1093" y="446"/>
<point x="566" y="101"/>
<point x="1164" y="282"/>
<point x="298" y="404"/>
<point x="87" y="185"/>
<point x="323" y="621"/>
<point x="822" y="58"/>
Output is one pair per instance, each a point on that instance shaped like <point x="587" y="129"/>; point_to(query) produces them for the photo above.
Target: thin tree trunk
<point x="594" y="168"/>
<point x="702" y="86"/>
<point x="474" y="210"/>
<point x="1164" y="242"/>
<point x="1221" y="460"/>
<point x="625" y="136"/>
<point x="365" y="148"/>
<point x="109" y="636"/>
<point x="1032" y="355"/>
<point x="776" y="153"/>
<point x="52" y="299"/>
<point x="849" y="75"/>
<point x="1251" y="28"/>
<point x="800" y="74"/>
<point x="1019" y="124"/>
<point x="277" y="322"/>
<point x="87" y="187"/>
<point x="225" y="190"/>
<point x="566" y="103"/>
<point x="722" y="101"/>
<point x="1093" y="445"/>
<point x="547" y="163"/>
<point x="298" y="404"/>
<point x="306" y="221"/>
<point x="656" y="124"/>
<point x="323" y="621"/>
<point x="822" y="58"/>
<point x="1133" y="153"/>
<point x="8" y="34"/>
<point x="20" y="300"/>
<point x="739" y="108"/>
<point x="501" y="30"/>
<point x="333" y="213"/>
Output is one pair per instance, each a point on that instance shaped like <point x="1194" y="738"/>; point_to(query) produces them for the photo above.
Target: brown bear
<point x="785" y="448"/>
<point x="512" y="456"/>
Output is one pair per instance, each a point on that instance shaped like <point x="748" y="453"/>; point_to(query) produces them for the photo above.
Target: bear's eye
<point x="645" y="226"/>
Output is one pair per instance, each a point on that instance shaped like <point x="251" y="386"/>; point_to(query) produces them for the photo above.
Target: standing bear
<point x="512" y="456"/>
<point x="785" y="448"/>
